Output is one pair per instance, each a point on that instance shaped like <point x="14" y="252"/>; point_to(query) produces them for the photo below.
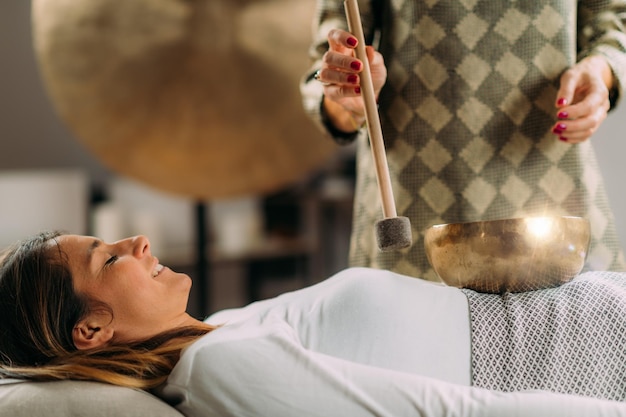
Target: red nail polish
<point x="559" y="128"/>
<point x="352" y="79"/>
<point x="561" y="101"/>
<point x="355" y="65"/>
<point x="357" y="90"/>
<point x="351" y="41"/>
<point x="563" y="115"/>
<point x="562" y="139"/>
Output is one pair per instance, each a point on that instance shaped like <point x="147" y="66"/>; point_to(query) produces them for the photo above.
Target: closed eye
<point x="111" y="260"/>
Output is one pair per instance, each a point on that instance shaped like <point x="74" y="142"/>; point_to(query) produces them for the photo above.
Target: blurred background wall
<point x="32" y="136"/>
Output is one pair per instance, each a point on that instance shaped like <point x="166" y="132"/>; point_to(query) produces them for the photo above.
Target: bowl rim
<point x="510" y="219"/>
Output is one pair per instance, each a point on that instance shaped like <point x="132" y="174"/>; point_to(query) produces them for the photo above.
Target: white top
<point x="353" y="345"/>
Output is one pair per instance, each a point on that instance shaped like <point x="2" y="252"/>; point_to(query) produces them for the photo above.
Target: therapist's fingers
<point x="579" y="122"/>
<point x="591" y="73"/>
<point x="582" y="102"/>
<point x="341" y="41"/>
<point x="339" y="65"/>
<point x="576" y="131"/>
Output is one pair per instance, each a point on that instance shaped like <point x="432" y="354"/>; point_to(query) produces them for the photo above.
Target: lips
<point x="157" y="270"/>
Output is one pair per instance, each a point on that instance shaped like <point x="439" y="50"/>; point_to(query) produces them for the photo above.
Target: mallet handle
<point x="371" y="112"/>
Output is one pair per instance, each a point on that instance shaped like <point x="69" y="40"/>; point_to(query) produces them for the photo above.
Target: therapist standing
<point x="487" y="110"/>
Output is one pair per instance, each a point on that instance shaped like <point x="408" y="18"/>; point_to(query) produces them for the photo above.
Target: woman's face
<point x="145" y="297"/>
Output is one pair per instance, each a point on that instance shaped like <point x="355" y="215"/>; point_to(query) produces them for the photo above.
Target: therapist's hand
<point x="340" y="74"/>
<point x="583" y="99"/>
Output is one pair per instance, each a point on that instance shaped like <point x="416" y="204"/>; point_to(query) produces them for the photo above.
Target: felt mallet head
<point x="393" y="233"/>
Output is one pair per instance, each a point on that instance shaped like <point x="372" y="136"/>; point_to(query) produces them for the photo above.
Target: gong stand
<point x="202" y="263"/>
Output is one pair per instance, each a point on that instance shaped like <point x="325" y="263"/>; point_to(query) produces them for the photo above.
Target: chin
<point x="177" y="281"/>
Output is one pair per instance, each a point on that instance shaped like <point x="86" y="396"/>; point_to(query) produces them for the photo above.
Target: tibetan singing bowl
<point x="508" y="255"/>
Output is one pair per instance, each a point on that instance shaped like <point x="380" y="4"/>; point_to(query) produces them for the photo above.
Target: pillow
<point x="78" y="398"/>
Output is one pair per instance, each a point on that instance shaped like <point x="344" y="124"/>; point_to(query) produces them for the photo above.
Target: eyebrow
<point x="94" y="245"/>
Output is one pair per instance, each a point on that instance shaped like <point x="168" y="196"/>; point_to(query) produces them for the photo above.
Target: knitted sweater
<point x="467" y="112"/>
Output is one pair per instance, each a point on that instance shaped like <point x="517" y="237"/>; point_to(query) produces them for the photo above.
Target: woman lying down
<point x="362" y="343"/>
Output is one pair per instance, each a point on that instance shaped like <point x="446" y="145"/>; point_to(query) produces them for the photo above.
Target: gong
<point x="198" y="98"/>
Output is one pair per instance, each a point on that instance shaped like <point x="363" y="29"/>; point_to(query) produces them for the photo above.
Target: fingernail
<point x="352" y="79"/>
<point x="351" y="41"/>
<point x="562" y="139"/>
<point x="560" y="128"/>
<point x="355" y="65"/>
<point x="357" y="90"/>
<point x="561" y="101"/>
<point x="563" y="115"/>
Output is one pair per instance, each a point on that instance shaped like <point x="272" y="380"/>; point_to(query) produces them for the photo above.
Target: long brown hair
<point x="39" y="309"/>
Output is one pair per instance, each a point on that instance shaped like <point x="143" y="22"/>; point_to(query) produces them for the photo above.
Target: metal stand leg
<point x="201" y="280"/>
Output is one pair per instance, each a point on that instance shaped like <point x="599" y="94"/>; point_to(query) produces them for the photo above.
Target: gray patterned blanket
<point x="570" y="339"/>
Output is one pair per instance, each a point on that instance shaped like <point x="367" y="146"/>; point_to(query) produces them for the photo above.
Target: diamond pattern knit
<point x="467" y="112"/>
<point x="570" y="339"/>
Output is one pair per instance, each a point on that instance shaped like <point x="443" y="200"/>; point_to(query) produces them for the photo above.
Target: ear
<point x="92" y="332"/>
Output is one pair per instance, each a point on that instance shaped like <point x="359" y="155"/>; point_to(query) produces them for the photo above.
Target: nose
<point x="140" y="246"/>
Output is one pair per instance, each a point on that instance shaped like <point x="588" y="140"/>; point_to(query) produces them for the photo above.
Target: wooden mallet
<point x="392" y="232"/>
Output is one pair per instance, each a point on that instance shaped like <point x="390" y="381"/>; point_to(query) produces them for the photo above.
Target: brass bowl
<point x="508" y="255"/>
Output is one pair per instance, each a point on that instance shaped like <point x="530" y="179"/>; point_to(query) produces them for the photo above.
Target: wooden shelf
<point x="269" y="248"/>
